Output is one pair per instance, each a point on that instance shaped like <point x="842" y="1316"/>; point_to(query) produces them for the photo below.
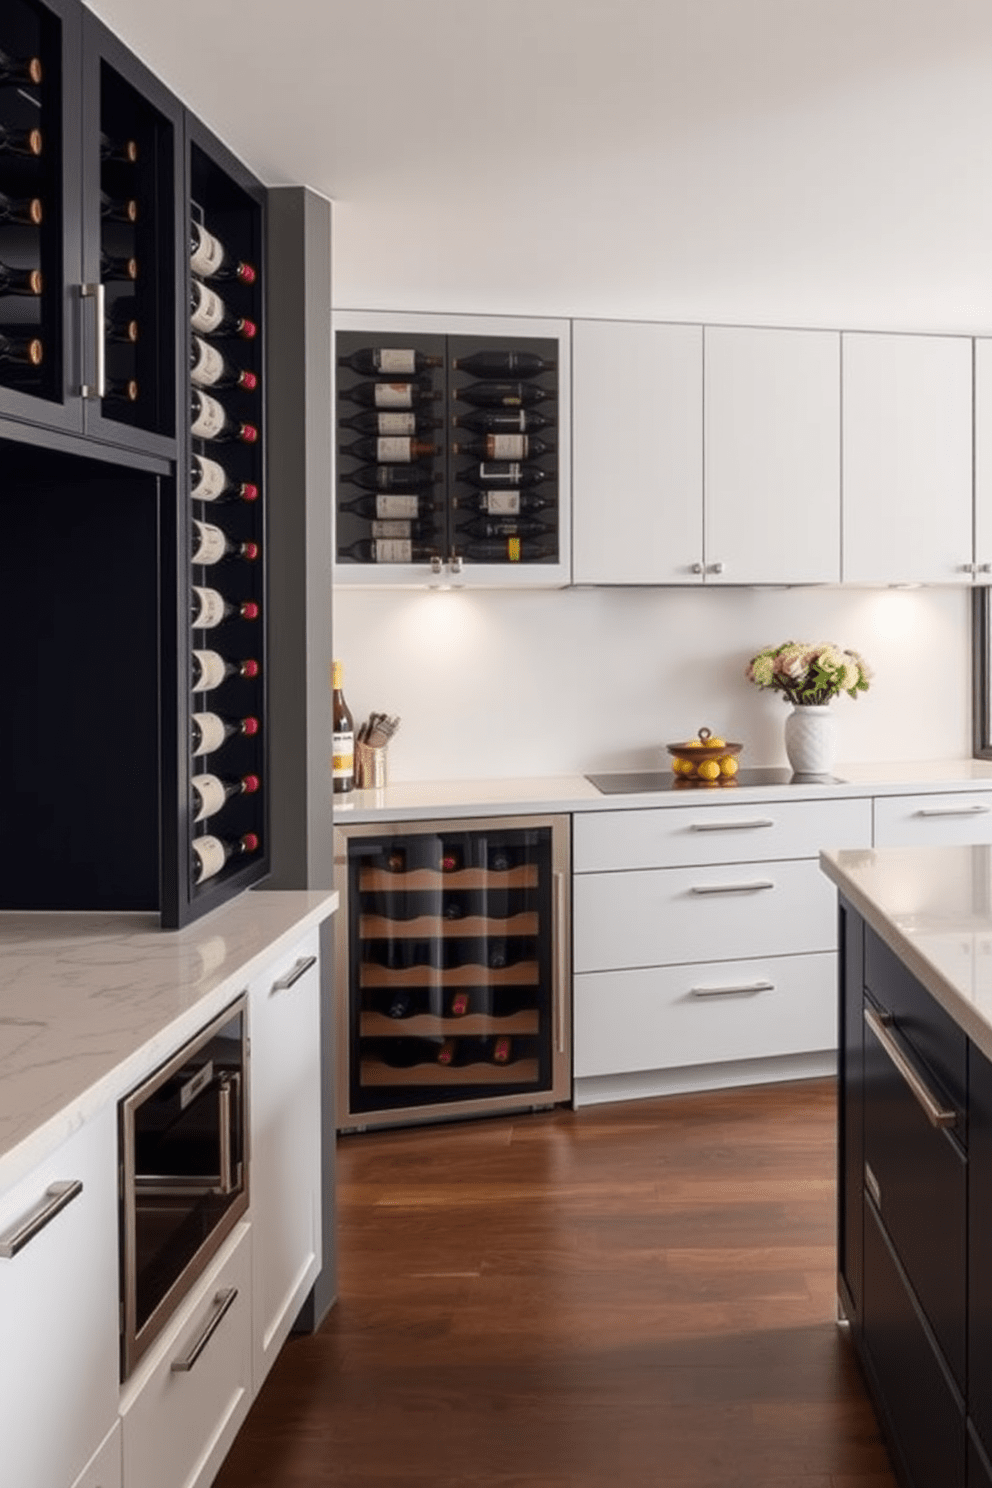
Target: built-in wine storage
<point x="451" y="451"/>
<point x="451" y="977"/>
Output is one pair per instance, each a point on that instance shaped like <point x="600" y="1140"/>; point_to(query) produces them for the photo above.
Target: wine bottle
<point x="209" y="481"/>
<point x="386" y="507"/>
<point x="120" y="390"/>
<point x="343" y="734"/>
<point x="504" y="856"/>
<point x="392" y="477"/>
<point x="17" y="70"/>
<point x="404" y="1053"/>
<point x="118" y="266"/>
<point x="211" y="317"/>
<point x="208" y="367"/>
<point x="389" y="395"/>
<point x="400" y="1004"/>
<point x="398" y="423"/>
<point x="447" y="1054"/>
<point x="210" y="259"/>
<point x="460" y="1004"/>
<point x="124" y="151"/>
<point x="26" y="351"/>
<point x="210" y="669"/>
<point x="503" y="473"/>
<point x="508" y="550"/>
<point x="505" y="447"/>
<point x="211" y="544"/>
<point x="19" y="141"/>
<point x="208" y="731"/>
<point x="510" y="503"/>
<point x="211" y="420"/>
<point x="502" y="394"/>
<point x="121" y="324"/>
<point x="208" y="793"/>
<point x="501" y="1050"/>
<point x="211" y="853"/>
<point x="209" y="608"/>
<point x="397" y="527"/>
<point x="489" y="527"/>
<point x="503" y="364"/>
<point x="19" y="281"/>
<point x="21" y="209"/>
<point x="389" y="361"/>
<point x="389" y="448"/>
<point x="389" y="550"/>
<point x="118" y="209"/>
<point x="501" y="420"/>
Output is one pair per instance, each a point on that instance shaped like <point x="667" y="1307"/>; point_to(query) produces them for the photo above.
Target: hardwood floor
<point x="628" y="1296"/>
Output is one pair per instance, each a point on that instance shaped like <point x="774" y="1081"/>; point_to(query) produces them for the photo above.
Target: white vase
<point x="810" y="739"/>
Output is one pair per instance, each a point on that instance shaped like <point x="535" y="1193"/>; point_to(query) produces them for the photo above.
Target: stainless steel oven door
<point x="184" y="1166"/>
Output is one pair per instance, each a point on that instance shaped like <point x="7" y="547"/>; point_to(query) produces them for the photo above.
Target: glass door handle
<point x="560" y="959"/>
<point x="97" y="293"/>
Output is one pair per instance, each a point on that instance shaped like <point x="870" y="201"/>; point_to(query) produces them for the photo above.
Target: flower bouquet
<point x="809" y="675"/>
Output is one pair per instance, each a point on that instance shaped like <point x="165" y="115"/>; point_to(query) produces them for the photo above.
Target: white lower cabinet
<point x="284" y="1012"/>
<point x="58" y="1311"/>
<point x="104" y="1469"/>
<point x="185" y="1401"/>
<point x="944" y="820"/>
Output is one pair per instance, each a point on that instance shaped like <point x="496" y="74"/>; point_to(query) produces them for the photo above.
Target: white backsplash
<point x="504" y="683"/>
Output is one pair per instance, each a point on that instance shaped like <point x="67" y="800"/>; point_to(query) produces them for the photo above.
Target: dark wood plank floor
<point x="628" y="1296"/>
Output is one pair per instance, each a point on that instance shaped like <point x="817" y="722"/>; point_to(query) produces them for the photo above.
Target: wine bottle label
<point x="209" y="856"/>
<point x="397" y="361"/>
<point x="390" y="448"/>
<point x="209" y="665"/>
<point x="387" y="506"/>
<point x="209" y="364"/>
<point x="210" y="543"/>
<point x="507" y="446"/>
<point x="502" y="503"/>
<point x="343" y="755"/>
<point x="393" y="550"/>
<point x="210" y="420"/>
<point x="513" y="549"/>
<point x="394" y="395"/>
<point x="397" y="423"/>
<point x="209" y="311"/>
<point x="212" y="734"/>
<point x="212" y="479"/>
<point x="209" y="795"/>
<point x="209" y="255"/>
<point x="507" y="473"/>
<point x="391" y="527"/>
<point x="209" y="608"/>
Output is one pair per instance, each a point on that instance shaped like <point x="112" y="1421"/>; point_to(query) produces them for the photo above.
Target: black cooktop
<point x="633" y="782"/>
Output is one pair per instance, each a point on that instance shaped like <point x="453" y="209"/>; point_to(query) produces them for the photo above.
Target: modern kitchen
<point x="497" y="573"/>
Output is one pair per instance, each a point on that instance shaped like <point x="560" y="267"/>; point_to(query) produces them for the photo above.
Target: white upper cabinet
<point x="637" y="424"/>
<point x="907" y="459"/>
<point x="983" y="460"/>
<point x="771" y="405"/>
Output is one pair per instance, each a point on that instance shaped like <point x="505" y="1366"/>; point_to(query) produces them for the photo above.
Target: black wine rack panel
<point x="448" y="450"/>
<point x="450" y="967"/>
<point x="31" y="270"/>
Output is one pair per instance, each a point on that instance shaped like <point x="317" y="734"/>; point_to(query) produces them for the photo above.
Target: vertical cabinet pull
<point x="98" y="294"/>
<point x="559" y="930"/>
<point x="57" y="1196"/>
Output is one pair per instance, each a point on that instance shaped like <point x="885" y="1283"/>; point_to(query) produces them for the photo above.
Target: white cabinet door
<point x="983" y="460"/>
<point x="638" y="453"/>
<point x="284" y="1008"/>
<point x="59" y="1303"/>
<point x="907" y="459"/>
<point x="943" y="820"/>
<point x="772" y="456"/>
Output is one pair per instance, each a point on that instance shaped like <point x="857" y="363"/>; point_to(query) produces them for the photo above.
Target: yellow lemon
<point x="728" y="765"/>
<point x="716" y="743"/>
<point x="708" y="770"/>
<point x="692" y="744"/>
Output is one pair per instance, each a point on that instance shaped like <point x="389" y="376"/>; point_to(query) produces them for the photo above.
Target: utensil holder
<point x="370" y="766"/>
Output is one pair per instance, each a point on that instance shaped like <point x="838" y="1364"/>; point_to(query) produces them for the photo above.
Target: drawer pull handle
<point x="936" y="1114"/>
<point x="733" y="989"/>
<point x="974" y="810"/>
<point x="293" y="975"/>
<point x="57" y="1196"/>
<point x="731" y="826"/>
<point x="222" y="1304"/>
<point x="733" y="888"/>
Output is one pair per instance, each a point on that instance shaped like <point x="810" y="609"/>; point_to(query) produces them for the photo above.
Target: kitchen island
<point x="915" y="1148"/>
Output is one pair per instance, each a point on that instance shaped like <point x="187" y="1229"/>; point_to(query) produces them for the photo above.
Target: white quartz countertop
<point x="422" y="800"/>
<point x="932" y="906"/>
<point x="91" y="1002"/>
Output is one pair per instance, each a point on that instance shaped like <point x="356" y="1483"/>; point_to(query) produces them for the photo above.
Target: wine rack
<point x="451" y="451"/>
<point x="451" y="982"/>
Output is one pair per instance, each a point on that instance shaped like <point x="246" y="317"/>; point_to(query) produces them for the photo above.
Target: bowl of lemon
<point x="705" y="760"/>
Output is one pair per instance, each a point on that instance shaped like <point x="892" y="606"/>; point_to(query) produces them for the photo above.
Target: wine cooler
<point x="452" y="955"/>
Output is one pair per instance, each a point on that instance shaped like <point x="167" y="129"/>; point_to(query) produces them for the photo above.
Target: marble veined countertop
<point x="933" y="907"/>
<point x="91" y="1002"/>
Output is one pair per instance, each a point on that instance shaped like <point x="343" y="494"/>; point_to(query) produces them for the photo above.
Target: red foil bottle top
<point x="246" y="273"/>
<point x="249" y="842"/>
<point x="249" y="610"/>
<point x="250" y="668"/>
<point x="249" y="491"/>
<point x="250" y="784"/>
<point x="250" y="726"/>
<point x="249" y="550"/>
<point x="249" y="433"/>
<point x="248" y="329"/>
<point x="249" y="381"/>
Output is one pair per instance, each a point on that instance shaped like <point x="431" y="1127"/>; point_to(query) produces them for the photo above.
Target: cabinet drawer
<point x="934" y="1037"/>
<point x="912" y="821"/>
<point x="104" y="1468"/>
<point x="179" y="1424"/>
<point x="729" y="912"/>
<point x="675" y="1016"/>
<point x="717" y="832"/>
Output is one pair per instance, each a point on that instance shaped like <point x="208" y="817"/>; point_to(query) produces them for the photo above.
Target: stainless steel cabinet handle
<point x="716" y="568"/>
<point x="292" y="976"/>
<point x="983" y="567"/>
<point x="228" y="1092"/>
<point x="733" y="888"/>
<point x="697" y="568"/>
<point x="974" y="810"/>
<point x="560" y="959"/>
<point x="57" y="1196"/>
<point x="733" y="989"/>
<point x="731" y="826"/>
<point x="97" y="293"/>
<point x="936" y="1114"/>
<point x="223" y="1302"/>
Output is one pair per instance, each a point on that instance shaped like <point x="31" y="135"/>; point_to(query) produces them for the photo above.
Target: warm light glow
<point x="440" y="622"/>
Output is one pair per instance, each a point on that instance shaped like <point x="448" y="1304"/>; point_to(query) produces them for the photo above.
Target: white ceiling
<point x="825" y="161"/>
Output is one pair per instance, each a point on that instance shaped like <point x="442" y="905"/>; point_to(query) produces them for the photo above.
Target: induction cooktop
<point x="634" y="782"/>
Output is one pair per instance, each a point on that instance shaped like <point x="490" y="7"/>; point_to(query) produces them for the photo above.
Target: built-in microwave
<point x="184" y="1174"/>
